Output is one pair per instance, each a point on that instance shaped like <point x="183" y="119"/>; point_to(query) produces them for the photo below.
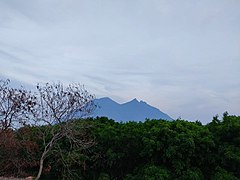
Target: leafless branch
<point x="15" y="105"/>
<point x="57" y="107"/>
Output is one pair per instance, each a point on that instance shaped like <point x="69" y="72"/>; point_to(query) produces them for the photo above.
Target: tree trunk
<point x="47" y="148"/>
<point x="40" y="168"/>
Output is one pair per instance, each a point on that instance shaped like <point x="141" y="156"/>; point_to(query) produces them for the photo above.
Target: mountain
<point x="130" y="111"/>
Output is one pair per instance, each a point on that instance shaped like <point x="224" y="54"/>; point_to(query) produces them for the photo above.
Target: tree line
<point x="154" y="149"/>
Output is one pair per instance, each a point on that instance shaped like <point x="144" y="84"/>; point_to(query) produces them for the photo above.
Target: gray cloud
<point x="181" y="56"/>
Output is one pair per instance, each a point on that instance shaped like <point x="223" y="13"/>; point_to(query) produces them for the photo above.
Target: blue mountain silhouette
<point x="133" y="110"/>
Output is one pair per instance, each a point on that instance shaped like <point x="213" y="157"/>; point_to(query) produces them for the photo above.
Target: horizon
<point x="180" y="57"/>
<point x="175" y="118"/>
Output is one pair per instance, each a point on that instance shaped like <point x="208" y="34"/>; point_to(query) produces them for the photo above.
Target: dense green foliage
<point x="154" y="149"/>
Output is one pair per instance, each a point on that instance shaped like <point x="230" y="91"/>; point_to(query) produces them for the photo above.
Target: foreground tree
<point x="18" y="153"/>
<point x="56" y="108"/>
<point x="15" y="105"/>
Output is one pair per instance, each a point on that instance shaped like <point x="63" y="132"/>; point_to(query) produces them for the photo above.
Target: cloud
<point x="182" y="57"/>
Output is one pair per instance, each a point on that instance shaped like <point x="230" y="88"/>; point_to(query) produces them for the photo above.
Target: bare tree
<point x="15" y="105"/>
<point x="53" y="106"/>
<point x="57" y="107"/>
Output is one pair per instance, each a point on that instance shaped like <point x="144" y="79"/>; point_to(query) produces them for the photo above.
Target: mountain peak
<point x="105" y="101"/>
<point x="133" y="110"/>
<point x="106" y="98"/>
<point x="134" y="100"/>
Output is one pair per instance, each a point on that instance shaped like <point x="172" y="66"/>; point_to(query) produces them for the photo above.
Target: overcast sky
<point x="181" y="56"/>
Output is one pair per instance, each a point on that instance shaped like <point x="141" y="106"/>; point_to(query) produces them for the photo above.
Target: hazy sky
<point x="182" y="56"/>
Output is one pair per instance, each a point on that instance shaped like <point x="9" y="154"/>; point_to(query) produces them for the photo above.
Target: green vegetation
<point x="154" y="149"/>
<point x="48" y="113"/>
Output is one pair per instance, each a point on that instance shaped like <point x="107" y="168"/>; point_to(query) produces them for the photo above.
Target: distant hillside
<point x="131" y="111"/>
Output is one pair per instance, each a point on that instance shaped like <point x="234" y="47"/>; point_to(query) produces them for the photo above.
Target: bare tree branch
<point x="57" y="107"/>
<point x="53" y="106"/>
<point x="15" y="105"/>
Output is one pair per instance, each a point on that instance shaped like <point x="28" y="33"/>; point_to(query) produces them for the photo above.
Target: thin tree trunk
<point x="40" y="168"/>
<point x="47" y="148"/>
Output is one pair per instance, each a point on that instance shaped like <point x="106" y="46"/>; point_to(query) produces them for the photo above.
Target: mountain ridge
<point x="133" y="110"/>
